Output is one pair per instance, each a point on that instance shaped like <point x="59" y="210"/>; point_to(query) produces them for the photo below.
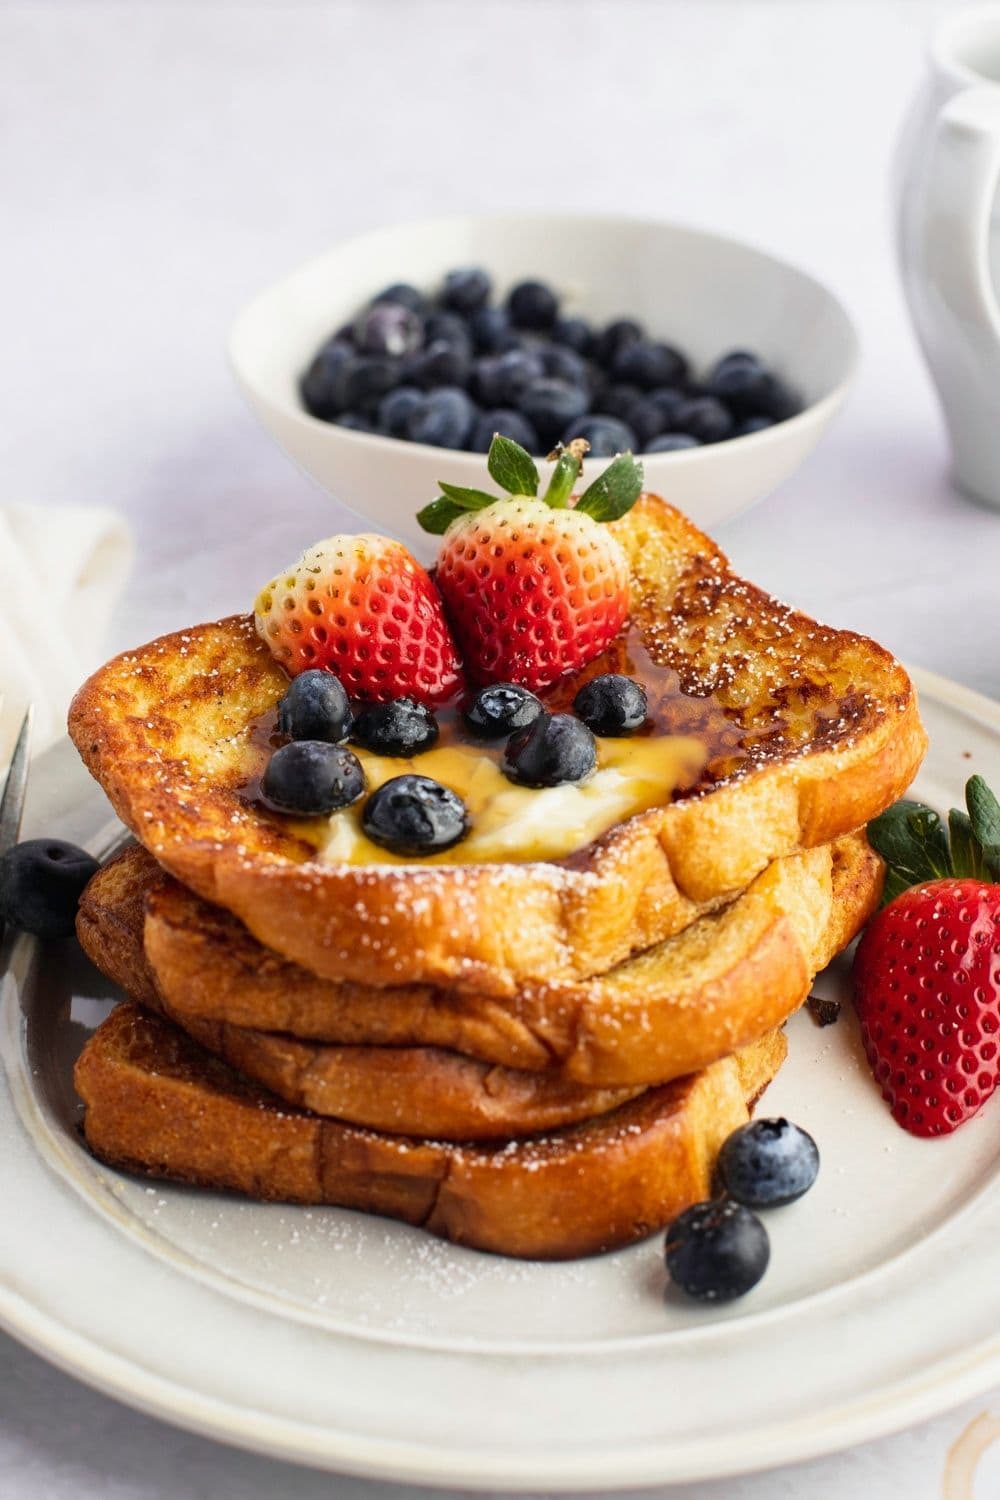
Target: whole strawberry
<point x="363" y="608"/>
<point x="534" y="589"/>
<point x="927" y="971"/>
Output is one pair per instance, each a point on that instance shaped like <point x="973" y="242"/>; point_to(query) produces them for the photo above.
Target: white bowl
<point x="703" y="292"/>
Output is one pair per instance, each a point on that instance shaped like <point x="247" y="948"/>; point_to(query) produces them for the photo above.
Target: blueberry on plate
<point x="315" y="707"/>
<point x="402" y="727"/>
<point x="510" y="424"/>
<point x="321" y="386"/>
<point x="717" y="1251"/>
<point x="671" y="442"/>
<point x="649" y="364"/>
<point x="574" y="333"/>
<point x="41" y="882"/>
<point x="440" y="363"/>
<point x="614" y="338"/>
<point x="767" y="1163"/>
<point x="466" y="289"/>
<point x="606" y="435"/>
<point x="612" y="704"/>
<point x="443" y="419"/>
<point x="550" y="405"/>
<point x="705" y="418"/>
<point x="553" y="749"/>
<point x="491" y="330"/>
<point x="310" y="777"/>
<point x="415" y="815"/>
<point x="500" y="709"/>
<point x="404" y="294"/>
<point x="501" y="379"/>
<point x="388" y="328"/>
<point x="395" y="407"/>
<point x="532" y="304"/>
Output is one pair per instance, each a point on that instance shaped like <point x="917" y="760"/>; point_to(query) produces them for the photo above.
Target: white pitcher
<point x="948" y="166"/>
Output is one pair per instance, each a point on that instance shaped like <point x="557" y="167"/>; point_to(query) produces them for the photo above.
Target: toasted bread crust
<point x="718" y="986"/>
<point x="157" y="1103"/>
<point x="830" y="726"/>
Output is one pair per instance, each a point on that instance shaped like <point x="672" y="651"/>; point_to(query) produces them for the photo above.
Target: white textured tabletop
<point x="159" y="163"/>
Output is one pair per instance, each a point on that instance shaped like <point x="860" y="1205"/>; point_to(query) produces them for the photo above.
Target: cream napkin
<point x="61" y="572"/>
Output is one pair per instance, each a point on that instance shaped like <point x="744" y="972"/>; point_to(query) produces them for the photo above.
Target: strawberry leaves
<point x="614" y="492"/>
<point x="514" y="470"/>
<point x="917" y="847"/>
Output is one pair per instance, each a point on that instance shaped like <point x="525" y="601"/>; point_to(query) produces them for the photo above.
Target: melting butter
<point x="515" y="823"/>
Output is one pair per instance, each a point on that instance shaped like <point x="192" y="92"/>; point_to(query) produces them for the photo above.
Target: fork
<point x="15" y="790"/>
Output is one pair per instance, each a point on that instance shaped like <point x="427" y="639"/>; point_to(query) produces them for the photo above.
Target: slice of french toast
<point x="157" y="1103"/>
<point x="378" y="1056"/>
<point x="822" y="725"/>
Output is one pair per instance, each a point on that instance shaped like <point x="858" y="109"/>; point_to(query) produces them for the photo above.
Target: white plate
<point x="359" y="1344"/>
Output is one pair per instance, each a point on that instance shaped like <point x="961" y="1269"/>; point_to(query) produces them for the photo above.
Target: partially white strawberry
<point x="534" y="589"/>
<point x="363" y="608"/>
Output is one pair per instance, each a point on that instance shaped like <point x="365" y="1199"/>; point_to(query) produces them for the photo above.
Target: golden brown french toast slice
<point x="824" y="733"/>
<point x="157" y="1103"/>
<point x="717" y="986"/>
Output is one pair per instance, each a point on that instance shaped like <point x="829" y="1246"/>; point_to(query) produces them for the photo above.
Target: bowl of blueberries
<point x="388" y="363"/>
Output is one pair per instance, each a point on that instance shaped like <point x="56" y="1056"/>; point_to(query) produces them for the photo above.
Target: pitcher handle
<point x="964" y="170"/>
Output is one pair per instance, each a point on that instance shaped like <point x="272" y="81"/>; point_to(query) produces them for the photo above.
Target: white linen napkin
<point x="61" y="572"/>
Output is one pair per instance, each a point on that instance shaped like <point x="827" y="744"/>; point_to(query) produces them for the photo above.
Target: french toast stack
<point x="538" y="1057"/>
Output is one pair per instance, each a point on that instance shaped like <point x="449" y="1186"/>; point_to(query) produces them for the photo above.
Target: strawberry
<point x="534" y="589"/>
<point x="927" y="970"/>
<point x="363" y="608"/>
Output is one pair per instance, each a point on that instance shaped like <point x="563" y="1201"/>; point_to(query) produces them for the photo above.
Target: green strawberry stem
<point x="610" y="496"/>
<point x="917" y="846"/>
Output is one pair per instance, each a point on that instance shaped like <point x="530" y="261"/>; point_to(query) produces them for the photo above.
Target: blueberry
<point x="775" y="400"/>
<point x="705" y="418"/>
<point x="566" y="364"/>
<point x="618" y="401"/>
<point x="41" y="882"/>
<point x="311" y="777"/>
<point x="736" y="356"/>
<point x="613" y="339"/>
<point x="315" y="707"/>
<point x="646" y="364"/>
<point x="466" y="290"/>
<point x="767" y="1163"/>
<point x="739" y="381"/>
<point x="606" y="435"/>
<point x="491" y="330"/>
<point x="448" y="328"/>
<point x="500" y="709"/>
<point x="394" y="409"/>
<point x="354" y="421"/>
<point x="443" y="419"/>
<point x="366" y="375"/>
<point x="554" y="748"/>
<point x="550" y="405"/>
<point x="612" y="704"/>
<point x="717" y="1251"/>
<point x="388" y="328"/>
<point x="501" y="379"/>
<point x="753" y="424"/>
<point x="509" y="424"/>
<point x="647" y="419"/>
<point x="415" y="815"/>
<point x="671" y="442"/>
<point x="441" y="363"/>
<point x="404" y="294"/>
<point x="320" y="387"/>
<point x="402" y="727"/>
<point x="532" y="304"/>
<point x="574" y="333"/>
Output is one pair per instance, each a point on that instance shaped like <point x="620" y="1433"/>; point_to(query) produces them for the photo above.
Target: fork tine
<point x="16" y="786"/>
